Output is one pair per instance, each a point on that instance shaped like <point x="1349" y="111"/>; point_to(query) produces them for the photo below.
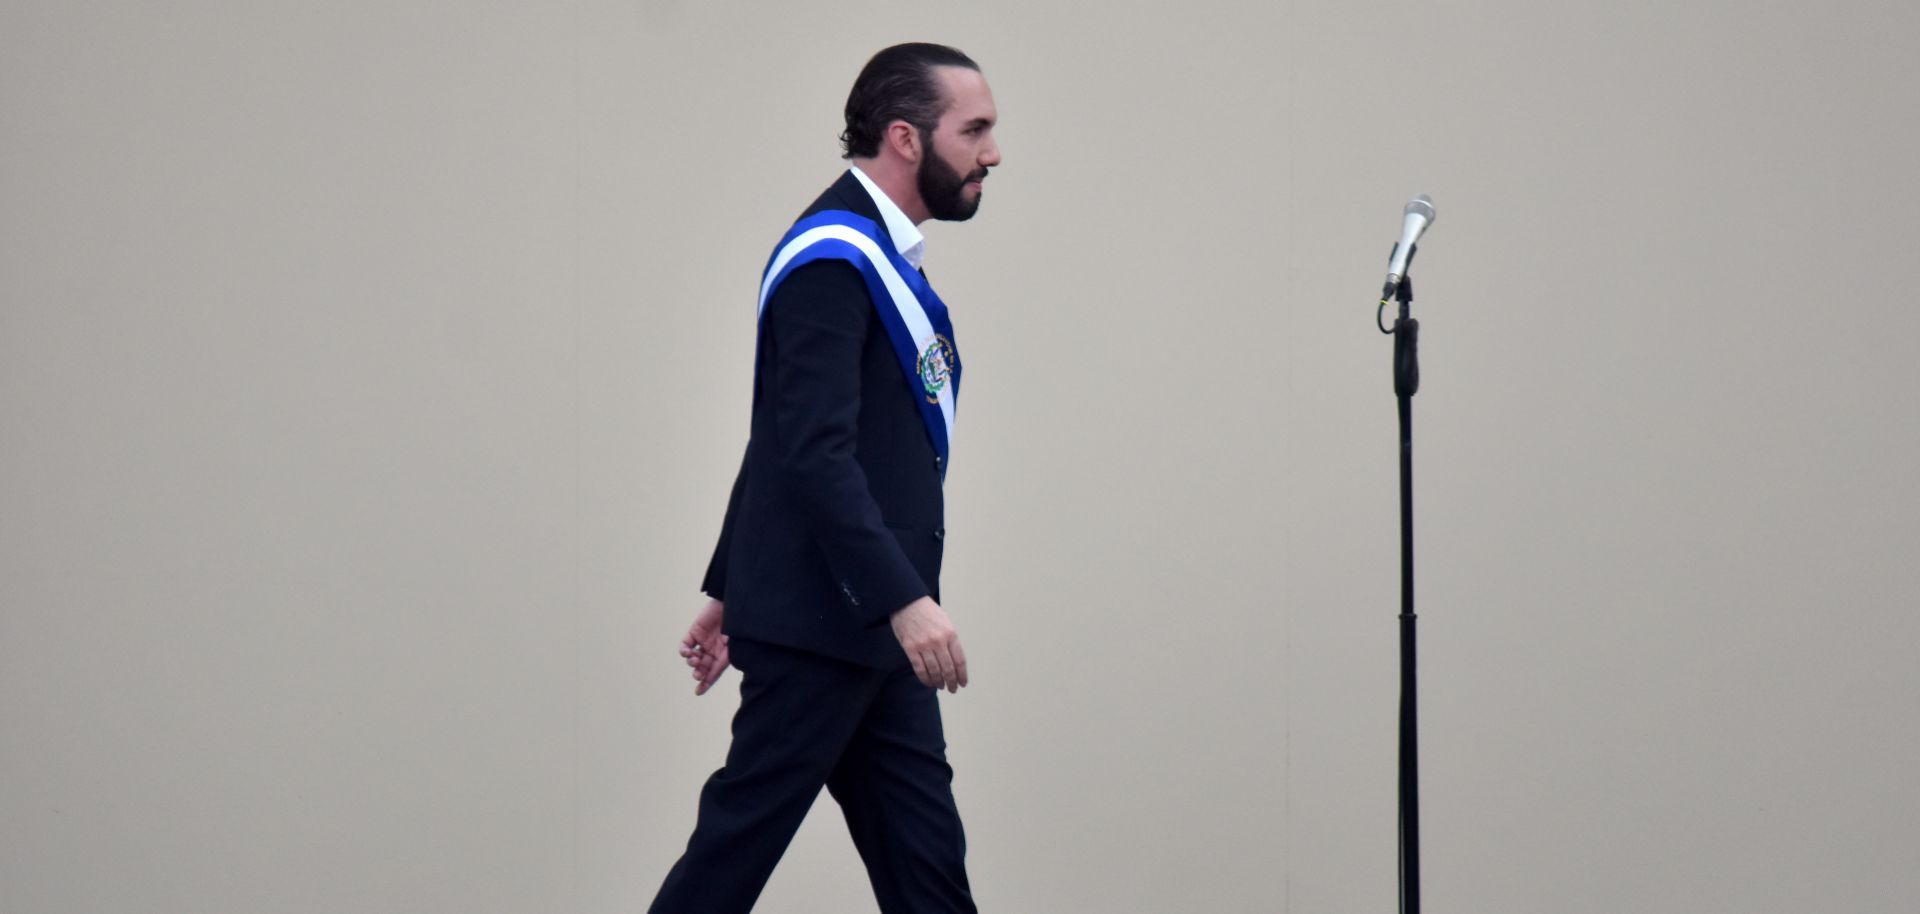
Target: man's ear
<point x="904" y="139"/>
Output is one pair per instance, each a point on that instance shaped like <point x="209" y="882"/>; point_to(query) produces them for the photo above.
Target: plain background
<point x="372" y="375"/>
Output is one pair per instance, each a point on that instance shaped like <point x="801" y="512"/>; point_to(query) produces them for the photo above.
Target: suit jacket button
<point x="940" y="534"/>
<point x="939" y="462"/>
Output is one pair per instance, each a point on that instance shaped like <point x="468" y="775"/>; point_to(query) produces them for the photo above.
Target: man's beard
<point x="943" y="189"/>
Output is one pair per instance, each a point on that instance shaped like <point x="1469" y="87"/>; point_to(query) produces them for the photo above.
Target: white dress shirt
<point x="906" y="236"/>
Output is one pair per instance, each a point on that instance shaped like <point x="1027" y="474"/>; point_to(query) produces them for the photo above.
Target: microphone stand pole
<point x="1406" y="381"/>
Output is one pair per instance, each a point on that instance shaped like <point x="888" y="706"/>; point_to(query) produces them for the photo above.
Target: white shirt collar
<point x="906" y="236"/>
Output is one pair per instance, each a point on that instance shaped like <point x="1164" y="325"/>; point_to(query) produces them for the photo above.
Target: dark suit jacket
<point x="835" y="521"/>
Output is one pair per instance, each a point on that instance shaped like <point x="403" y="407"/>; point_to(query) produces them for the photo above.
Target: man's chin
<point x="962" y="209"/>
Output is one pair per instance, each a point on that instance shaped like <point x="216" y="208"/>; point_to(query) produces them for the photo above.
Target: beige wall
<point x="371" y="375"/>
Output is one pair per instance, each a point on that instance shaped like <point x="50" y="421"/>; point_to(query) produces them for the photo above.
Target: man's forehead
<point x="967" y="93"/>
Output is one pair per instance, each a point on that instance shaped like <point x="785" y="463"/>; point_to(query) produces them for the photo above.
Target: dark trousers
<point x="873" y="739"/>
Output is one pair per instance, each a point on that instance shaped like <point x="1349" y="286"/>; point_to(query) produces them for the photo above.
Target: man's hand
<point x="704" y="648"/>
<point x="927" y="635"/>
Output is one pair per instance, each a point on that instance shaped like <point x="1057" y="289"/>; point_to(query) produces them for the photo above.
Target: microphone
<point x="1419" y="215"/>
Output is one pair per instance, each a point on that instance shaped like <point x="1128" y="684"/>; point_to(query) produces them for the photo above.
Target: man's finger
<point x="945" y="665"/>
<point x="707" y="677"/>
<point x="936" y="676"/>
<point x="959" y="662"/>
<point x="932" y="668"/>
<point x="950" y="661"/>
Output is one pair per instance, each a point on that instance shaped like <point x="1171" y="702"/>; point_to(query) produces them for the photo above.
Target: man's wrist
<point x="916" y="601"/>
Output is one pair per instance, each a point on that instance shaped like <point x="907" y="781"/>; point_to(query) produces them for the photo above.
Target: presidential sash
<point x="915" y="318"/>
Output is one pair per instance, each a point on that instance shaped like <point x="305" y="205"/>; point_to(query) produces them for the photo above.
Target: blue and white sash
<point x="915" y="318"/>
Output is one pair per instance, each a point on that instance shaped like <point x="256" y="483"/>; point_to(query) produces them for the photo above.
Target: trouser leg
<point x="797" y="712"/>
<point x="896" y="790"/>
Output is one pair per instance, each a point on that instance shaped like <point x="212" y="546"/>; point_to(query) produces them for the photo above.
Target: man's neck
<point x="906" y="236"/>
<point x="896" y="179"/>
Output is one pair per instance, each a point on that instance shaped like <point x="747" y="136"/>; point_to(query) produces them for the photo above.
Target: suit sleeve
<point x="817" y="326"/>
<point x="715" y="582"/>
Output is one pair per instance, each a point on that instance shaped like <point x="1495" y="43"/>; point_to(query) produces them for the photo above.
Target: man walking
<point x="825" y="583"/>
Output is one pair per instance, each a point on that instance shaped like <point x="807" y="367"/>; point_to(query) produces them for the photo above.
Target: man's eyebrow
<point x="980" y="122"/>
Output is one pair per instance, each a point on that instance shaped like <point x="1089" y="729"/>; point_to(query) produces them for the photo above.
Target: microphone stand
<point x="1406" y="381"/>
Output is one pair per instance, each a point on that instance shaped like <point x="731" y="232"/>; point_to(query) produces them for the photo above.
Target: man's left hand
<point x="705" y="648"/>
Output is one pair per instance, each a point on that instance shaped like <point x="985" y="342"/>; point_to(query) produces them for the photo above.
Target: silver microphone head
<point x="1414" y="221"/>
<point x="1422" y="205"/>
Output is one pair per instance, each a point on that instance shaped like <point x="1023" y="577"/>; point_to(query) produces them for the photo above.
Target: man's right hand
<point x="933" y="647"/>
